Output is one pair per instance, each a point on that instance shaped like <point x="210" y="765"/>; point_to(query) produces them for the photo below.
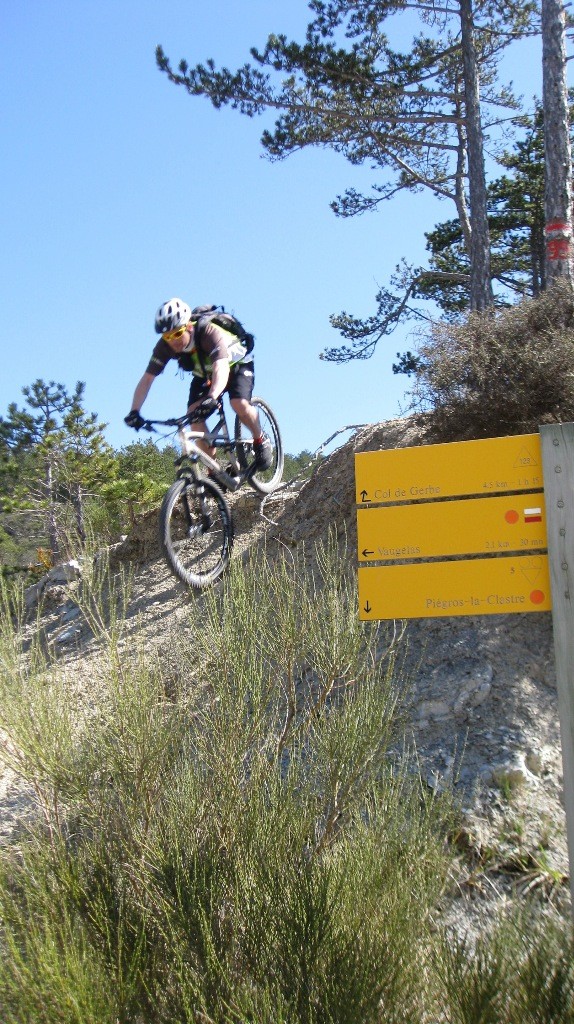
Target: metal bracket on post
<point x="557" y="443"/>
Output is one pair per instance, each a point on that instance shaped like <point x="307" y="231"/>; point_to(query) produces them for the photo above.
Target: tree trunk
<point x="78" y="502"/>
<point x="51" y="523"/>
<point x="558" y="162"/>
<point x="481" y="296"/>
<point x="460" y="184"/>
<point x="538" y="258"/>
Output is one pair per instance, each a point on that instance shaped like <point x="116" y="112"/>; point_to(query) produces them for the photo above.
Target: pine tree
<point x="144" y="472"/>
<point x="53" y="450"/>
<point x="515" y="203"/>
<point x="88" y="460"/>
<point x="30" y="437"/>
<point x="416" y="116"/>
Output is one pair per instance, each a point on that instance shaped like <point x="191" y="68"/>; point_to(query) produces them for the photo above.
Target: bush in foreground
<point x="226" y="837"/>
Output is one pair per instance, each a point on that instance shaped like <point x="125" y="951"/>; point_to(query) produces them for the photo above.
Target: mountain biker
<point x="219" y="363"/>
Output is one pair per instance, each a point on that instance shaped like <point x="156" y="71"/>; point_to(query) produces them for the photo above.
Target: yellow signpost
<point x="481" y="586"/>
<point x="488" y="466"/>
<point x="474" y="526"/>
<point x="423" y="513"/>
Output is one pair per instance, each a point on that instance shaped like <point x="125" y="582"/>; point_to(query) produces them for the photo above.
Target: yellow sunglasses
<point x="174" y="335"/>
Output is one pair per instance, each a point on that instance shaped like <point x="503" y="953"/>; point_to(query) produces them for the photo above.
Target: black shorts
<point x="239" y="385"/>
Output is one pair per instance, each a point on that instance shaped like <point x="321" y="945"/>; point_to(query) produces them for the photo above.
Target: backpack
<point x="217" y="315"/>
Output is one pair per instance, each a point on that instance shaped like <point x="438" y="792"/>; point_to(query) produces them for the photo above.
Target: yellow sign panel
<point x="447" y="470"/>
<point x="467" y="527"/>
<point x="481" y="586"/>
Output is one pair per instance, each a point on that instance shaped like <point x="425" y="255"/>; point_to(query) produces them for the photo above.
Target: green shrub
<point x="227" y="834"/>
<point x="228" y="838"/>
<point x="521" y="971"/>
<point x="499" y="374"/>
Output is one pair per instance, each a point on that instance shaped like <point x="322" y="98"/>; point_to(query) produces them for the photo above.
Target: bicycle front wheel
<point x="196" y="531"/>
<point x="262" y="480"/>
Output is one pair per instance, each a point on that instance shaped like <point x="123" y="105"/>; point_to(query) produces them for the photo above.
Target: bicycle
<point x="195" y="523"/>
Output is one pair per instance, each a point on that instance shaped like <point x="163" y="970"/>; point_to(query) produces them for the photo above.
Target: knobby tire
<point x="196" y="531"/>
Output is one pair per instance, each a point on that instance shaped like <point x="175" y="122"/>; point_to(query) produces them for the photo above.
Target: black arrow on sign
<point x="367" y="606"/>
<point x="367" y="553"/>
<point x="364" y="496"/>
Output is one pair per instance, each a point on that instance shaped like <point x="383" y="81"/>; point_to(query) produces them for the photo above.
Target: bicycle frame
<point x="218" y="437"/>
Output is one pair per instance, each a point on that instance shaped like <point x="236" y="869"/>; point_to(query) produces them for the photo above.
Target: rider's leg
<point x="240" y="390"/>
<point x="201" y="428"/>
<point x="250" y="418"/>
<point x="247" y="414"/>
<point x="197" y="393"/>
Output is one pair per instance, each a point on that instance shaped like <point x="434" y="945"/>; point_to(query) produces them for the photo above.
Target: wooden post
<point x="557" y="442"/>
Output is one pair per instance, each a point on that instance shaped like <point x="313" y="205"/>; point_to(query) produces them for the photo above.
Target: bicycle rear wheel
<point x="196" y="531"/>
<point x="262" y="480"/>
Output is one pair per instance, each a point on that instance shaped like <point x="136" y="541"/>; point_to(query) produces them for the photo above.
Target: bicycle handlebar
<point x="179" y="421"/>
<point x="150" y="425"/>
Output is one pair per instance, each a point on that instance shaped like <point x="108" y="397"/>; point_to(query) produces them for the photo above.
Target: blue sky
<point x="119" y="191"/>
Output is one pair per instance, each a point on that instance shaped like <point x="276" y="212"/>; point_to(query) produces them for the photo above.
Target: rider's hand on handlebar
<point x="134" y="420"/>
<point x="205" y="408"/>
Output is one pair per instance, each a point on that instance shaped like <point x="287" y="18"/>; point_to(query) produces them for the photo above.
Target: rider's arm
<point x="214" y="342"/>
<point x="219" y="378"/>
<point x="159" y="359"/>
<point x="142" y="390"/>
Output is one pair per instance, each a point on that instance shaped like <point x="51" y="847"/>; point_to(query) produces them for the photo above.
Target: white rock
<point x="538" y="760"/>
<point x="33" y="594"/>
<point x="433" y="709"/>
<point x="514" y="773"/>
<point x="65" y="573"/>
<point x="68" y="634"/>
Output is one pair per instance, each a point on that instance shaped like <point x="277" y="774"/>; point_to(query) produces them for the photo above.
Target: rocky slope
<point x="481" y="690"/>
